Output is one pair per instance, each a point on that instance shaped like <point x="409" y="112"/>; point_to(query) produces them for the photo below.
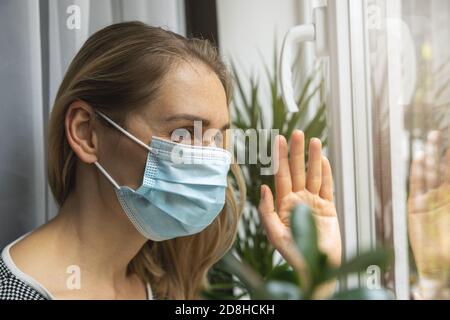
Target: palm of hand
<point x="320" y="207"/>
<point x="429" y="211"/>
<point x="294" y="186"/>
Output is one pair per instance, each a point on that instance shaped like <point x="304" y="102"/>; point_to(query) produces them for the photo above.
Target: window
<point x="389" y="88"/>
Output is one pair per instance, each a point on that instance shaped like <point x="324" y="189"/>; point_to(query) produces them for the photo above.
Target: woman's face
<point x="191" y="94"/>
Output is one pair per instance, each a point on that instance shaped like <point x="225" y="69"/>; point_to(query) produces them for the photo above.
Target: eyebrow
<point x="191" y="117"/>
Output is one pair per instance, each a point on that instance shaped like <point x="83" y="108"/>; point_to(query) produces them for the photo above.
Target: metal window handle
<point x="316" y="32"/>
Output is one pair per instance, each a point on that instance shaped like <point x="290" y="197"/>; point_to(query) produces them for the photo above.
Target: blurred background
<point x="374" y="99"/>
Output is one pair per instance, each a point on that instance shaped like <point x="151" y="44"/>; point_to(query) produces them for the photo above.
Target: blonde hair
<point x="120" y="68"/>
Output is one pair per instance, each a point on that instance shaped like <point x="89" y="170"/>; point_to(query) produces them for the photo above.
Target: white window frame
<point x="351" y="144"/>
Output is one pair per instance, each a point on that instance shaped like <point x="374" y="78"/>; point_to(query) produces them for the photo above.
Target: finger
<point x="266" y="204"/>
<point x="417" y="178"/>
<point x="326" y="189"/>
<point x="447" y="161"/>
<point x="297" y="160"/>
<point x="447" y="165"/>
<point x="266" y="209"/>
<point x="443" y="172"/>
<point x="283" y="182"/>
<point x="432" y="167"/>
<point x="314" y="175"/>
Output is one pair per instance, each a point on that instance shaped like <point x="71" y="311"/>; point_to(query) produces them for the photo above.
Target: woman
<point x="133" y="224"/>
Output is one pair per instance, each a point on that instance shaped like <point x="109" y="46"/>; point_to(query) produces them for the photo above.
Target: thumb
<point x="266" y="204"/>
<point x="269" y="217"/>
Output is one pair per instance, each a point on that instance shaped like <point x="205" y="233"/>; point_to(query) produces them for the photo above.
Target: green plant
<point x="285" y="283"/>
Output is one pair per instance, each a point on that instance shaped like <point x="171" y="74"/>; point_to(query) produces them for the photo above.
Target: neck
<point x="95" y="233"/>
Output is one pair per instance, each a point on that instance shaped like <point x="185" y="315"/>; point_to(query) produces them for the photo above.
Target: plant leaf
<point x="380" y="258"/>
<point x="305" y="236"/>
<point x="363" y="294"/>
<point x="278" y="290"/>
<point x="284" y="272"/>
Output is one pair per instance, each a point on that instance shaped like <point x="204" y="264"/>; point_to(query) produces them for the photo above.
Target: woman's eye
<point x="180" y="135"/>
<point x="218" y="140"/>
<point x="188" y="135"/>
<point x="183" y="135"/>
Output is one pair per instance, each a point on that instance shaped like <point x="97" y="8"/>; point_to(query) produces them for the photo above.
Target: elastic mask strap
<point x="106" y="174"/>
<point x="129" y="135"/>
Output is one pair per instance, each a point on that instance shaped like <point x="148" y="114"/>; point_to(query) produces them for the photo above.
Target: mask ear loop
<point x="106" y="174"/>
<point x="129" y="135"/>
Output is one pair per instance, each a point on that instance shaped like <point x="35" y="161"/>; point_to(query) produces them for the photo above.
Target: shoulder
<point x="12" y="288"/>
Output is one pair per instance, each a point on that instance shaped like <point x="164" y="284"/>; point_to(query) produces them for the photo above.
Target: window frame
<point x="351" y="140"/>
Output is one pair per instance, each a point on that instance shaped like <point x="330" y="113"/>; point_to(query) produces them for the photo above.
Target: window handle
<point x="315" y="32"/>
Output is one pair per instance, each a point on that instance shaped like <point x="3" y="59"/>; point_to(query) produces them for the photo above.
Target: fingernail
<point x="263" y="192"/>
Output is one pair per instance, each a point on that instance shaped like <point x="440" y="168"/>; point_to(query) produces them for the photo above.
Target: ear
<point x="80" y="133"/>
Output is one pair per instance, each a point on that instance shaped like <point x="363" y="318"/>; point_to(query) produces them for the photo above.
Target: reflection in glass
<point x="410" y="71"/>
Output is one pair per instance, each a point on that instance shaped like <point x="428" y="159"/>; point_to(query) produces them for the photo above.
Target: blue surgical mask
<point x="183" y="188"/>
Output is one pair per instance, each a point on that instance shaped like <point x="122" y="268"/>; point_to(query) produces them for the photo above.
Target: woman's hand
<point x="429" y="213"/>
<point x="295" y="186"/>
